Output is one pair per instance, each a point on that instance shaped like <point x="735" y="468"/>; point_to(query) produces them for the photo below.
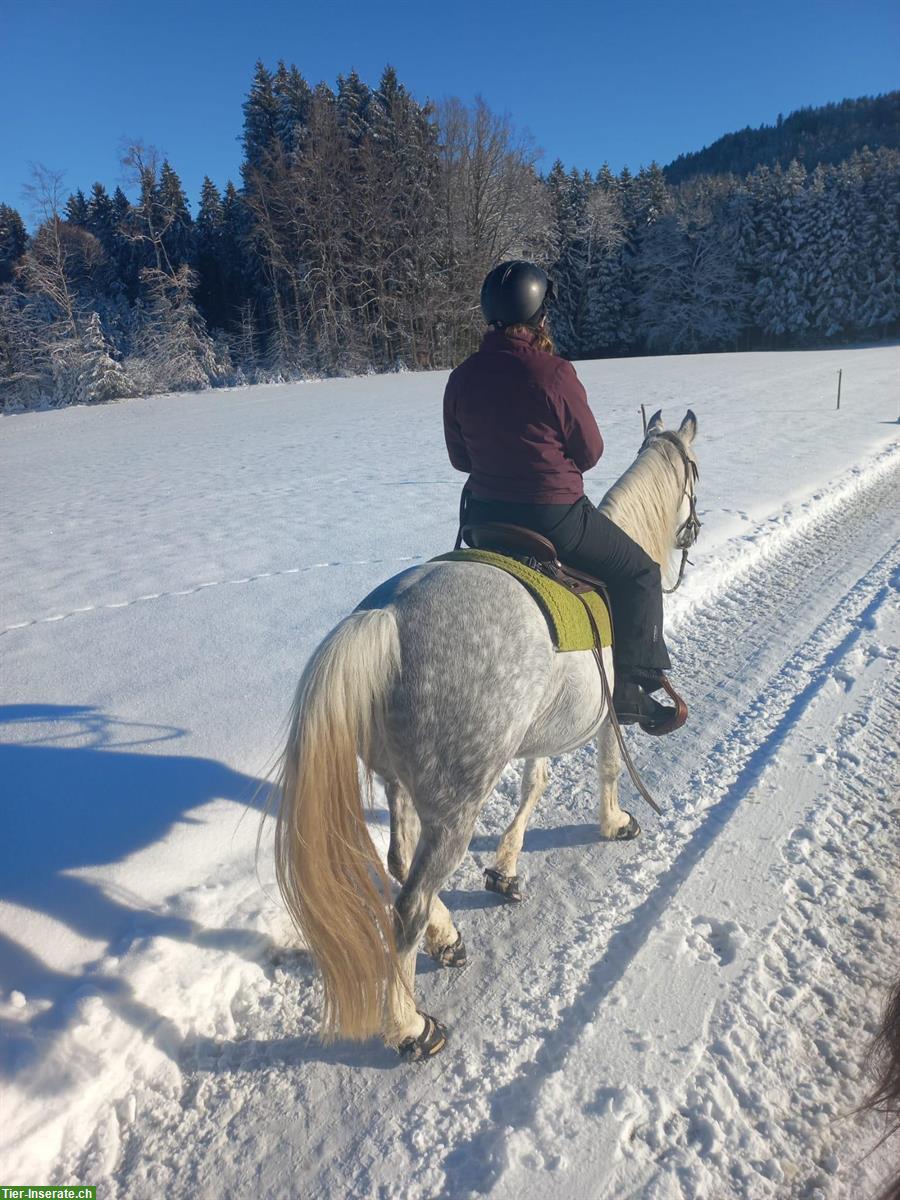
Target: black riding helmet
<point x="515" y="293"/>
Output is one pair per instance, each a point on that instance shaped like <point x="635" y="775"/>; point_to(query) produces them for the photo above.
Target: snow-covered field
<point x="682" y="1016"/>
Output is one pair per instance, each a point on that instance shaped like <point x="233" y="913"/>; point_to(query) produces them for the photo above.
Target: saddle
<point x="517" y="541"/>
<point x="574" y="604"/>
<point x="537" y="552"/>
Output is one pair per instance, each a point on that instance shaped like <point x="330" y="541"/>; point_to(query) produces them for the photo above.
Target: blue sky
<point x="627" y="82"/>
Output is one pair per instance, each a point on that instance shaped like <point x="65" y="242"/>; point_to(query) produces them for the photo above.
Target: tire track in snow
<point x="740" y="759"/>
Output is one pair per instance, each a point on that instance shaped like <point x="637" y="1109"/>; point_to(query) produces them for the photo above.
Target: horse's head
<point x="677" y="445"/>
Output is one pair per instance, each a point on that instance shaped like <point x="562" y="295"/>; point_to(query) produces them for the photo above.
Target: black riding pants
<point x="585" y="538"/>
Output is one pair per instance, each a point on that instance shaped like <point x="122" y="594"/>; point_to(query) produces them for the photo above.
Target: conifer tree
<point x="210" y="255"/>
<point x="102" y="377"/>
<point x="876" y="225"/>
<point x="100" y="216"/>
<point x="690" y="295"/>
<point x="293" y="97"/>
<point x="173" y="351"/>
<point x="13" y="240"/>
<point x="261" y="122"/>
<point x="177" y="226"/>
<point x="778" y="305"/>
<point x="77" y="209"/>
<point x="237" y="272"/>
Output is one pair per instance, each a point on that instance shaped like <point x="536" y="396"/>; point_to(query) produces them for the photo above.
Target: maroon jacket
<point x="517" y="419"/>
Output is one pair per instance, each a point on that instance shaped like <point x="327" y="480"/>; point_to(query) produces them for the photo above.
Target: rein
<point x="689" y="530"/>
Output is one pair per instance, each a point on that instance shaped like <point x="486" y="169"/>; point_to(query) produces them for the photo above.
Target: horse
<point x="434" y="683"/>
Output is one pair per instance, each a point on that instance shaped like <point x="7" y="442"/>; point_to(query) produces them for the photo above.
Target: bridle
<point x="689" y="530"/>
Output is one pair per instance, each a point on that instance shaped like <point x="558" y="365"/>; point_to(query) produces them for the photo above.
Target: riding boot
<point x="634" y="706"/>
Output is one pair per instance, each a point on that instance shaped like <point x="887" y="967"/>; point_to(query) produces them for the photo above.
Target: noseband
<point x="689" y="530"/>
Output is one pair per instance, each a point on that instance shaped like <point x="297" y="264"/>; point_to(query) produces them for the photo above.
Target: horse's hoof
<point x="430" y="1041"/>
<point x="506" y="886"/>
<point x="627" y="832"/>
<point x="453" y="955"/>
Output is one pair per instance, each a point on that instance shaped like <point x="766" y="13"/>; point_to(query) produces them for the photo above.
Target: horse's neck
<point x="644" y="504"/>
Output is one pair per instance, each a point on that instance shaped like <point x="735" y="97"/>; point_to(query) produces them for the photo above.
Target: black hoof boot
<point x="627" y="832"/>
<point x="506" y="886"/>
<point x="453" y="955"/>
<point x="430" y="1041"/>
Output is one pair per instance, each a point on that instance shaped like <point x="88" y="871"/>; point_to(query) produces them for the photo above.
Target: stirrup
<point x="675" y="721"/>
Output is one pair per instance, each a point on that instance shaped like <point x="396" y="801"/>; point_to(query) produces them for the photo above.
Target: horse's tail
<point x="328" y="870"/>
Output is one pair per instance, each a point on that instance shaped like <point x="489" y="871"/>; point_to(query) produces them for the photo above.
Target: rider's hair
<point x="542" y="339"/>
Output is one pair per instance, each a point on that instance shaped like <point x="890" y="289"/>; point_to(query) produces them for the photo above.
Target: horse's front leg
<point x="615" y="823"/>
<point x="502" y="876"/>
<point x="443" y="941"/>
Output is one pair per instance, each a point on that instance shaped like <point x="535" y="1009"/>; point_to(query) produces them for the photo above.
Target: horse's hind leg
<point x="615" y="823"/>
<point x="405" y="830"/>
<point x="440" y="850"/>
<point x="443" y="941"/>
<point x="502" y="876"/>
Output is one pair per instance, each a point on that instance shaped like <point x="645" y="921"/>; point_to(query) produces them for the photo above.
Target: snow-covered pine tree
<point x="172" y="348"/>
<point x="568" y="201"/>
<point x="102" y="377"/>
<point x="648" y="195"/>
<point x="690" y="297"/>
<point x="825" y="289"/>
<point x="293" y="96"/>
<point x="261" y="122"/>
<point x="402" y="169"/>
<point x="353" y="100"/>
<point x="609" y="327"/>
<point x="778" y="306"/>
<point x="177" y="232"/>
<point x="876" y="237"/>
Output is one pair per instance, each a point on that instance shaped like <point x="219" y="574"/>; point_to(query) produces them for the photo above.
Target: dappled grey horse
<point x="442" y="676"/>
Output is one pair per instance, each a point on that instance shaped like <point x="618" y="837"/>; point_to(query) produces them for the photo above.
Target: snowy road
<point x="684" y="1016"/>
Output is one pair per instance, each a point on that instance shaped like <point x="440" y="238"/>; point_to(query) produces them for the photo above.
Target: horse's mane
<point x="645" y="500"/>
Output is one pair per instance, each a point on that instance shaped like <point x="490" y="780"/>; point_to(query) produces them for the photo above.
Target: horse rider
<point x="516" y="418"/>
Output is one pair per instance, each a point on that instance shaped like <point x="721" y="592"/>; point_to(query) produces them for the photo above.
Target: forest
<point x="365" y="220"/>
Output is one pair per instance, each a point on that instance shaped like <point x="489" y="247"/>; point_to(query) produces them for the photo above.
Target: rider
<point x="516" y="418"/>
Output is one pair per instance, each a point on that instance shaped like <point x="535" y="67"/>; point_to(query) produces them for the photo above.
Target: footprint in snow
<point x="723" y="938"/>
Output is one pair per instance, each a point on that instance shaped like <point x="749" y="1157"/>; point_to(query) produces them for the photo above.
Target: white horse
<point x="442" y="676"/>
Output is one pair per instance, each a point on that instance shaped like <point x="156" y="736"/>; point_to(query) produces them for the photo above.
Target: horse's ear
<point x="655" y="422"/>
<point x="688" y="427"/>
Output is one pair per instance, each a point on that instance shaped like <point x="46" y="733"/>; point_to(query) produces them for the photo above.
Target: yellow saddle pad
<point x="570" y="625"/>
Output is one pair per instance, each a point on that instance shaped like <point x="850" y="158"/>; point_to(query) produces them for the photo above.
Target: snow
<point x="686" y="1015"/>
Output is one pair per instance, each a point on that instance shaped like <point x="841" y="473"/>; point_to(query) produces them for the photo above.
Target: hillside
<point x="828" y="134"/>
